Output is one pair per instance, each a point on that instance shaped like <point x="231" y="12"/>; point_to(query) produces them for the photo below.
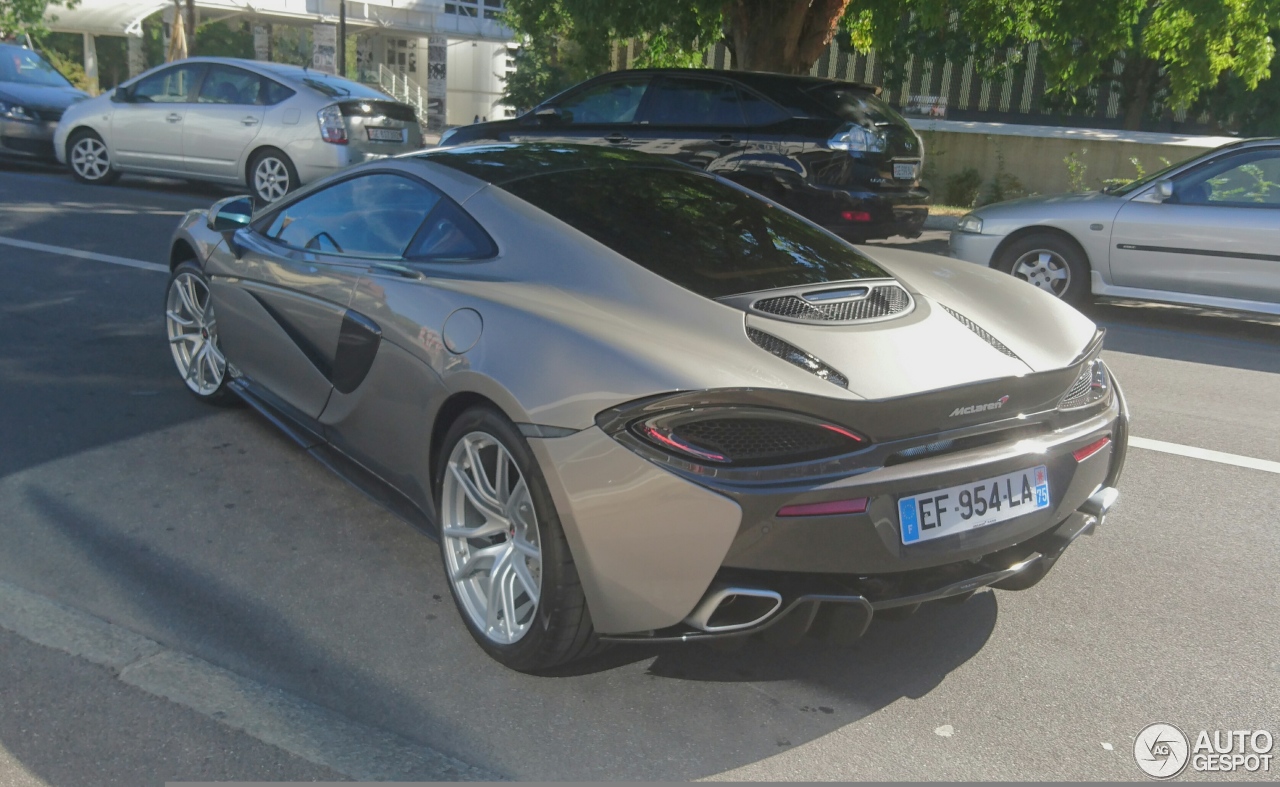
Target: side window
<point x="450" y="234"/>
<point x="227" y="85"/>
<point x="273" y="92"/>
<point x="369" y="215"/>
<point x="170" y="86"/>
<point x="758" y="111"/>
<point x="694" y="102"/>
<point x="1248" y="179"/>
<point x="615" y="101"/>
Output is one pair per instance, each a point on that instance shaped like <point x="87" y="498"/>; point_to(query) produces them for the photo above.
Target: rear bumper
<point x="651" y="543"/>
<point x="27" y="140"/>
<point x="872" y="214"/>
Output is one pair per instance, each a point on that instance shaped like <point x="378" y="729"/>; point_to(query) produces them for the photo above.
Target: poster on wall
<point x="324" y="48"/>
<point x="261" y="42"/>
<point x="437" y="71"/>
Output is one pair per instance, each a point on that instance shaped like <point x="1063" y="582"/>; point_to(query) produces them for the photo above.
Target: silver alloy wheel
<point x="89" y="159"/>
<point x="1045" y="269"/>
<point x="271" y="179"/>
<point x="489" y="531"/>
<point x="193" y="334"/>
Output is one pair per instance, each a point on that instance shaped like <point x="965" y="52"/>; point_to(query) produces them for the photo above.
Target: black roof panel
<point x="505" y="162"/>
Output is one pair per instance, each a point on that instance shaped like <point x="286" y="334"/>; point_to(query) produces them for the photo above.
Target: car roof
<point x="506" y="162"/>
<point x="763" y="81"/>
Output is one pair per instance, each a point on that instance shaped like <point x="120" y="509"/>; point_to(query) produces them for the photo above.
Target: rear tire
<point x="271" y="175"/>
<point x="502" y="525"/>
<point x="88" y="159"/>
<point x="1051" y="262"/>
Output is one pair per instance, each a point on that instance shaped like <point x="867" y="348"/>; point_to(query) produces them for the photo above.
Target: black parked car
<point x="830" y="150"/>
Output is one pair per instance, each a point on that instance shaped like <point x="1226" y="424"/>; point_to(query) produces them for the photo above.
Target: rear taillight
<point x="1092" y="386"/>
<point x="1089" y="450"/>
<point x="332" y="128"/>
<point x="746" y="436"/>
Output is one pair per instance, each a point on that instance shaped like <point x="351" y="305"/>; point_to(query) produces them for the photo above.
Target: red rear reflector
<point x="1091" y="449"/>
<point x="842" y="432"/>
<point x="855" y="215"/>
<point x="855" y="506"/>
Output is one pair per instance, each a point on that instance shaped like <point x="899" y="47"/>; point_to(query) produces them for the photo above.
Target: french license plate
<point x="904" y="171"/>
<point x="386" y="134"/>
<point x="977" y="504"/>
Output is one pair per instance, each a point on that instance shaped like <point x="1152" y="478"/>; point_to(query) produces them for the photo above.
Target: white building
<point x="402" y="42"/>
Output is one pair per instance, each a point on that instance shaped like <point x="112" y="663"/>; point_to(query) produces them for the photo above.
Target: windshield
<point x="1134" y="185"/>
<point x="693" y="230"/>
<point x="28" y="68"/>
<point x="857" y="106"/>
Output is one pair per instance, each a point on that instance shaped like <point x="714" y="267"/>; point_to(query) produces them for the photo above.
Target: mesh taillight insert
<point x="748" y="440"/>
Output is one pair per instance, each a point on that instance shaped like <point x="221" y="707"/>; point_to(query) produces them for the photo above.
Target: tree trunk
<point x="191" y="28"/>
<point x="785" y="36"/>
<point x="1137" y="84"/>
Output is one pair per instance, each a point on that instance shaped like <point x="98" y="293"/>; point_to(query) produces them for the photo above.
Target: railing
<point x="402" y="88"/>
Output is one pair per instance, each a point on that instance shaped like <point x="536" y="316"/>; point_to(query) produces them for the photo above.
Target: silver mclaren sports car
<point x="635" y="402"/>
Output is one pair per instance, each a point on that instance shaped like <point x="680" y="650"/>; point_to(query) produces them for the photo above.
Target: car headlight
<point x="857" y="139"/>
<point x="15" y="112"/>
<point x="970" y="223"/>
<point x="1093" y="385"/>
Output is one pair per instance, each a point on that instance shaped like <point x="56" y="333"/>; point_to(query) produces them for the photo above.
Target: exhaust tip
<point x="733" y="609"/>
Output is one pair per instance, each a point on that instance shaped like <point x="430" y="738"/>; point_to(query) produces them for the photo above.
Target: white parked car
<point x="270" y="126"/>
<point x="1204" y="232"/>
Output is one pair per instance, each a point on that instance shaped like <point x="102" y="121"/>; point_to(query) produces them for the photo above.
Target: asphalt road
<point x="208" y="532"/>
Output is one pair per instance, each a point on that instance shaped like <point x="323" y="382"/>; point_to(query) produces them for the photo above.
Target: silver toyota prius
<point x="1204" y="232"/>
<point x="268" y="126"/>
<point x="637" y="403"/>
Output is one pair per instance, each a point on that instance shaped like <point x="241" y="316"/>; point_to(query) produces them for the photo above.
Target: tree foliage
<point x="26" y="16"/>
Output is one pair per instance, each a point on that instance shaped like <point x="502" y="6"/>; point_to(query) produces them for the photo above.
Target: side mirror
<point x="229" y="215"/>
<point x="120" y="95"/>
<point x="1164" y="189"/>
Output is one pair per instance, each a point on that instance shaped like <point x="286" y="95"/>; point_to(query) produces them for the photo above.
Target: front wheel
<point x="504" y="550"/>
<point x="192" y="328"/>
<point x="1051" y="262"/>
<point x="88" y="159"/>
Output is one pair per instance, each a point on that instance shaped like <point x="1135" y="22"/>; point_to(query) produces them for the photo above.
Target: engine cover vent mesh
<point x="792" y="354"/>
<point x="883" y="301"/>
<point x="986" y="337"/>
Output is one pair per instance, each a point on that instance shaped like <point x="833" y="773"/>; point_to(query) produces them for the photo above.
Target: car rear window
<point x="857" y="106"/>
<point x="694" y="230"/>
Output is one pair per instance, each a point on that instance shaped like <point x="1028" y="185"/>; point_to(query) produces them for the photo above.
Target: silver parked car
<point x="270" y="126"/>
<point x="1204" y="232"/>
<point x="638" y="403"/>
<point x="33" y="96"/>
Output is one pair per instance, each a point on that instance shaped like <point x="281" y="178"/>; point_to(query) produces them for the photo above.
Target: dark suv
<point x="832" y="151"/>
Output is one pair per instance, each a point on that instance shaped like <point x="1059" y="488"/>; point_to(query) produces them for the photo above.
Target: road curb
<point x="290" y="723"/>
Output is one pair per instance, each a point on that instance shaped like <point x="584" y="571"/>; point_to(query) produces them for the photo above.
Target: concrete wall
<point x="477" y="78"/>
<point x="1035" y="154"/>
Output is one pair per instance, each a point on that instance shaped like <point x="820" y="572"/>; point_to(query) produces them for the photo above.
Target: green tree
<point x="1172" y="50"/>
<point x="26" y="16"/>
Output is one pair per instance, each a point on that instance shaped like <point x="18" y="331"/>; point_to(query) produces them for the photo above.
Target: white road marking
<point x="1203" y="453"/>
<point x="282" y="720"/>
<point x="84" y="255"/>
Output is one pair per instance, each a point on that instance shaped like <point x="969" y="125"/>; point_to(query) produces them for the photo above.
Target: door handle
<point x="250" y="121"/>
<point x="616" y="138"/>
<point x="174" y="117"/>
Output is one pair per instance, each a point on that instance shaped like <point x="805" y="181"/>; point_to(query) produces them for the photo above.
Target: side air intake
<point x="792" y="354"/>
<point x="986" y="337"/>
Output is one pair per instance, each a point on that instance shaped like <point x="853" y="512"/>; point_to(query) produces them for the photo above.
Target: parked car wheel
<point x="1052" y="263"/>
<point x="88" y="159"/>
<point x="193" y="335"/>
<point x="271" y="175"/>
<point x="505" y="553"/>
